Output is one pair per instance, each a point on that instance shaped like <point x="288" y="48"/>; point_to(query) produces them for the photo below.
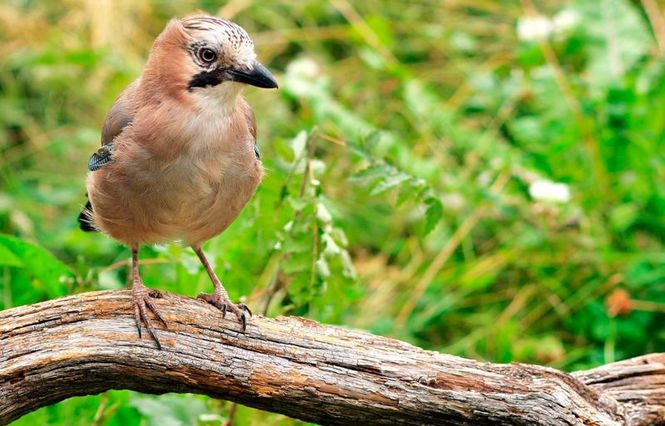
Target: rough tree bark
<point x="86" y="344"/>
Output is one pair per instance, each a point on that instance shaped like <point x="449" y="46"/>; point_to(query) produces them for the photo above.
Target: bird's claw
<point x="223" y="303"/>
<point x="142" y="298"/>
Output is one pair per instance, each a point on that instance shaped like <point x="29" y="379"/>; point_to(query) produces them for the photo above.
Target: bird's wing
<point x="118" y="118"/>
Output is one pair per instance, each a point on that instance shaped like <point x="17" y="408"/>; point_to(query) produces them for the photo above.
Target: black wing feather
<point x="85" y="219"/>
<point x="118" y="118"/>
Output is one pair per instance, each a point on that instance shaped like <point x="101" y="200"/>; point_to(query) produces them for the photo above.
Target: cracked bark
<point x="87" y="343"/>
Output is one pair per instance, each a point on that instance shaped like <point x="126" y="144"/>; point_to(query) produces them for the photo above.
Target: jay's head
<point x="207" y="57"/>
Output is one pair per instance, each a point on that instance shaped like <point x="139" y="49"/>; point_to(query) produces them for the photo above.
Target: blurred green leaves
<point x="170" y="410"/>
<point x="31" y="273"/>
<point x="615" y="36"/>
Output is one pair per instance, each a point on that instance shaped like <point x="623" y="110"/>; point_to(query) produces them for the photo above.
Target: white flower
<point x="534" y="28"/>
<point x="304" y="67"/>
<point x="545" y="190"/>
<point x="565" y="20"/>
<point x="302" y="75"/>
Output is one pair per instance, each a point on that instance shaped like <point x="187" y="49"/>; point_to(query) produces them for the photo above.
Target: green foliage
<point x="28" y="266"/>
<point x="476" y="180"/>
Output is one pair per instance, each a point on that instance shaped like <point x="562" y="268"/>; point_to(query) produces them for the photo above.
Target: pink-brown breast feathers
<point x="176" y="176"/>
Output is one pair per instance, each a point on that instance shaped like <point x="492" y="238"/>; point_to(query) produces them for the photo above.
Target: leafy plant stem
<point x="439" y="261"/>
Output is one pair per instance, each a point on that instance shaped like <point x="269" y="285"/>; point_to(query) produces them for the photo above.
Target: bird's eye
<point x="207" y="55"/>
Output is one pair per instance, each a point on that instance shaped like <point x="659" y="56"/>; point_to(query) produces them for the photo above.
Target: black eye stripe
<point x="205" y="79"/>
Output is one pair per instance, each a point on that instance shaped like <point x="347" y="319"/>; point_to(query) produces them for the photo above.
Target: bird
<point x="179" y="159"/>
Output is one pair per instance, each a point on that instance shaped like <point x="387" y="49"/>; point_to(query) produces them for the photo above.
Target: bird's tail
<point x="85" y="219"/>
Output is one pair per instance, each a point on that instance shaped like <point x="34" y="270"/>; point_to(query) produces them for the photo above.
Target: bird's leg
<point x="141" y="297"/>
<point x="220" y="298"/>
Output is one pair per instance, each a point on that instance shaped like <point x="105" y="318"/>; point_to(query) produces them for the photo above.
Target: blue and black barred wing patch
<point x="100" y="158"/>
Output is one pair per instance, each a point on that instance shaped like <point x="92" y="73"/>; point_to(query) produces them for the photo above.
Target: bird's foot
<point x="221" y="301"/>
<point x="142" y="299"/>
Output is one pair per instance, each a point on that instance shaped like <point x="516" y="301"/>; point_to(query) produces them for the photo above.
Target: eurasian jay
<point x="179" y="160"/>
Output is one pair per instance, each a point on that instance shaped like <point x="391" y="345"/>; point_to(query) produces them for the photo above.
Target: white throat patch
<point x="218" y="100"/>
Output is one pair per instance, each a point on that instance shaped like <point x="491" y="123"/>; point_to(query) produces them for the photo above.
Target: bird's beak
<point x="257" y="75"/>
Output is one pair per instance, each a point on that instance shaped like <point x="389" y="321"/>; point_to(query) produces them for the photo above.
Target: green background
<point x="403" y="153"/>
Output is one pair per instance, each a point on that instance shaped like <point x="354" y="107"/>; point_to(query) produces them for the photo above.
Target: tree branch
<point x="87" y="343"/>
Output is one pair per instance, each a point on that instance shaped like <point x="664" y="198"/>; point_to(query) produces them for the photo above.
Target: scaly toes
<point x="212" y="299"/>
<point x="225" y="305"/>
<point x="154" y="310"/>
<point x="239" y="310"/>
<point x="142" y="303"/>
